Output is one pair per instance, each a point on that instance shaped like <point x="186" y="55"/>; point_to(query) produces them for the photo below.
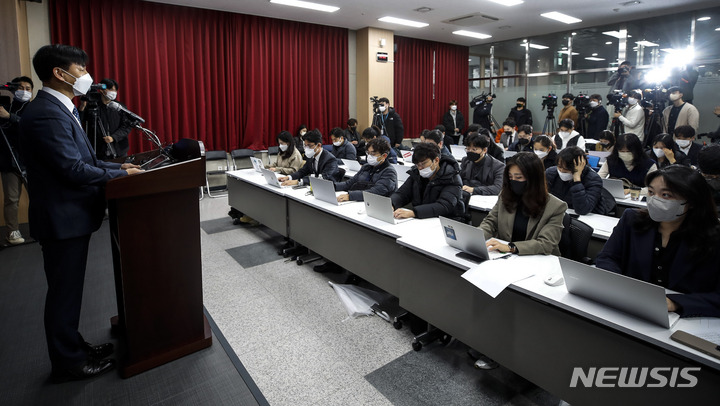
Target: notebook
<point x="468" y="239"/>
<point x="325" y="190"/>
<point x="615" y="187"/>
<point x="630" y="295"/>
<point x="380" y="207"/>
<point x="271" y="178"/>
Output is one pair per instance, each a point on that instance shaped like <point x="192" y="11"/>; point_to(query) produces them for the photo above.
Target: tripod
<point x="617" y="126"/>
<point x="493" y="124"/>
<point x="15" y="162"/>
<point x="109" y="149"/>
<point x="550" y="123"/>
<point x="654" y="124"/>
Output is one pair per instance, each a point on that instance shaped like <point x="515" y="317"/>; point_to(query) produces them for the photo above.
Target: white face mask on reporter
<point x="23" y="95"/>
<point x="283" y="147"/>
<point x="565" y="176"/>
<point x="110" y="95"/>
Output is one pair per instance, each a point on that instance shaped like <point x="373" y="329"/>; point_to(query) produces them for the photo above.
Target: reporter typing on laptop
<point x="376" y="176"/>
<point x="319" y="163"/>
<point x="525" y="214"/>
<point x="673" y="243"/>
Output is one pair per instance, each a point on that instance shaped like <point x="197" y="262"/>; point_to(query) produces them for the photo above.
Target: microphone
<point x="113" y="105"/>
<point x="97" y="86"/>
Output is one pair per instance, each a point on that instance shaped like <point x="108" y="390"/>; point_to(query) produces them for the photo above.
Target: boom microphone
<point x="119" y="107"/>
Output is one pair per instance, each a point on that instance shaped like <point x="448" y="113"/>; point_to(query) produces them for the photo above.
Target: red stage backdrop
<point x="229" y="80"/>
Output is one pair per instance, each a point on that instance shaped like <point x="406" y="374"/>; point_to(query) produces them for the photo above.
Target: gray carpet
<point x="218" y="225"/>
<point x="439" y="375"/>
<point x="210" y="376"/>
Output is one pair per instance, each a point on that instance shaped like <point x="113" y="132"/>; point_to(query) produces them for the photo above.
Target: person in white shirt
<point x="567" y="136"/>
<point x="633" y="115"/>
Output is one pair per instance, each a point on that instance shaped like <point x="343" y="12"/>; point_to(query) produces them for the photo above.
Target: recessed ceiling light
<point x="701" y="66"/>
<point x="566" y="52"/>
<point x="401" y="21"/>
<point x="574" y="33"/>
<point x="647" y="43"/>
<point x="423" y="9"/>
<point x="307" y="4"/>
<point x="536" y="46"/>
<point x="703" y="18"/>
<point x="595" y="54"/>
<point x="563" y="18"/>
<point x="608" y="43"/>
<point x="472" y="34"/>
<point x="592" y="58"/>
<point x="616" y="34"/>
<point x="717" y="29"/>
<point x="508" y="2"/>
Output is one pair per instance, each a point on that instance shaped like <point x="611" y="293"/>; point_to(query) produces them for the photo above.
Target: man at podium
<point x="67" y="204"/>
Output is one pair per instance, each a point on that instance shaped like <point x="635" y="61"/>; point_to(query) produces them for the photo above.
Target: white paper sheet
<point x="493" y="276"/>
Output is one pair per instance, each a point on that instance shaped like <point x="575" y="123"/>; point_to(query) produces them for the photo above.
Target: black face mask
<point x="508" y="133"/>
<point x="519" y="105"/>
<point x="565" y="102"/>
<point x="518" y="187"/>
<point x="473" y="156"/>
<point x="523" y="141"/>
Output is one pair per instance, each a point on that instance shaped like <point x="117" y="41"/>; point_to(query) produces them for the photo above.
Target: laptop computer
<point x="271" y="178"/>
<point x="401" y="171"/>
<point x="257" y="164"/>
<point x="325" y="190"/>
<point x="352" y="165"/>
<point x="469" y="240"/>
<point x="406" y="155"/>
<point x="380" y="207"/>
<point x="615" y="187"/>
<point x="630" y="295"/>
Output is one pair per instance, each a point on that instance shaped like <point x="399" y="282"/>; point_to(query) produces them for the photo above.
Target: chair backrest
<point x="273" y="150"/>
<point x="575" y="239"/>
<point x="215" y="155"/>
<point x="216" y="164"/>
<point x="608" y="203"/>
<point x="241" y="158"/>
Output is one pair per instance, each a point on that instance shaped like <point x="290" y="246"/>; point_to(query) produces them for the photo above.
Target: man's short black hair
<point x="477" y="141"/>
<point x="684" y="131"/>
<point x="110" y="83"/>
<point x="425" y="151"/>
<point x="435" y="135"/>
<point x="628" y="63"/>
<point x="337" y="132"/>
<point x="441" y="128"/>
<point x="521" y="99"/>
<point x="568" y="155"/>
<point x="384" y="100"/>
<point x="369" y="133"/>
<point x="352" y="121"/>
<point x="673" y="89"/>
<point x="313" y="136"/>
<point x="568" y="96"/>
<point x="24" y="79"/>
<point x="525" y="128"/>
<point x="567" y="123"/>
<point x="378" y="145"/>
<point x="596" y="97"/>
<point x="57" y="55"/>
<point x="473" y="128"/>
<point x="709" y="159"/>
<point x="509" y="122"/>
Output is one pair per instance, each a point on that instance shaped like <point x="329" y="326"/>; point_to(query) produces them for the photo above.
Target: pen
<point x="504" y="256"/>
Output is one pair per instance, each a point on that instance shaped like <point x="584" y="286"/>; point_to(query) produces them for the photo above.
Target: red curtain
<point x="229" y="80"/>
<point x="421" y="98"/>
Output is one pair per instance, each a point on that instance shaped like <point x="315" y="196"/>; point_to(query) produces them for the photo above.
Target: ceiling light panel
<point x="307" y="4"/>
<point x="402" y="21"/>
<point x="563" y="18"/>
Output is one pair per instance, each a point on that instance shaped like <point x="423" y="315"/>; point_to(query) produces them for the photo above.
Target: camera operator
<point x="679" y="113"/>
<point x="597" y="118"/>
<point x="685" y="78"/>
<point x="520" y="114"/>
<point x="389" y="122"/>
<point x="481" y="114"/>
<point x="633" y="115"/>
<point x="624" y="78"/>
<point x="11" y="167"/>
<point x="116" y="124"/>
<point x="568" y="110"/>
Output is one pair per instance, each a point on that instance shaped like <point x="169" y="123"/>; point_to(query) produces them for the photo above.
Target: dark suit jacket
<point x="66" y="181"/>
<point x="630" y="253"/>
<point x="327" y="168"/>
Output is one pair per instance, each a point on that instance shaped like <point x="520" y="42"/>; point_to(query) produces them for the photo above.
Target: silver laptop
<point x="630" y="295"/>
<point x="324" y="190"/>
<point x="401" y="171"/>
<point x="380" y="207"/>
<point x="468" y="239"/>
<point x="257" y="164"/>
<point x="352" y="165"/>
<point x="615" y="187"/>
<point x="271" y="178"/>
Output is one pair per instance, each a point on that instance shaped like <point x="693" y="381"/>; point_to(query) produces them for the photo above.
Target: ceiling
<point x="514" y="22"/>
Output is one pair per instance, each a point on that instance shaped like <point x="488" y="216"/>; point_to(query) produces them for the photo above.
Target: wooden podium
<point x="155" y="238"/>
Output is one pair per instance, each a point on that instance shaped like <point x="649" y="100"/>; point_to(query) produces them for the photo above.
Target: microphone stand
<point x="151" y="136"/>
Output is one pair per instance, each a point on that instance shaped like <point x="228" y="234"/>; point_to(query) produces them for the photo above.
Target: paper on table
<point x="493" y="276"/>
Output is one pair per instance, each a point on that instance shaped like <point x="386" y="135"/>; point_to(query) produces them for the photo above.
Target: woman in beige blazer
<point x="289" y="159"/>
<point x="526" y="215"/>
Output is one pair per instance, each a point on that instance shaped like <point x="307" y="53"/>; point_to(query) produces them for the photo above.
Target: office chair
<point x="575" y="240"/>
<point x="241" y="158"/>
<point x="216" y="164"/>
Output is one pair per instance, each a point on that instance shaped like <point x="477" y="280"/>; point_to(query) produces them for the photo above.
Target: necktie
<point x="76" y="114"/>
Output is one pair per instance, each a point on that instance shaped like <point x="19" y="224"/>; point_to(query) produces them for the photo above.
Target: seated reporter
<point x="494" y="149"/>
<point x="433" y="188"/>
<point x="438" y="138"/>
<point x="575" y="183"/>
<point x="628" y="162"/>
<point x="526" y="215"/>
<point x="376" y="176"/>
<point x="665" y="152"/>
<point x="606" y="141"/>
<point x="371" y="133"/>
<point x="481" y="174"/>
<point x="318" y="163"/>
<point x="544" y="148"/>
<point x="673" y="243"/>
<point x="289" y="159"/>
<point x="342" y="149"/>
<point x="567" y="136"/>
<point x="524" y="140"/>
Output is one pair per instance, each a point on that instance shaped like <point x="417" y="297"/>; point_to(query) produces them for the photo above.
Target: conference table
<point x="540" y="332"/>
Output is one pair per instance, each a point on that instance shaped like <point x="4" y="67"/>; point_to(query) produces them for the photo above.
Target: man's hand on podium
<point x="131" y="169"/>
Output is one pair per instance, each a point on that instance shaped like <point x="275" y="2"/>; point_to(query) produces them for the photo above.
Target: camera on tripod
<point x="93" y="96"/>
<point x="582" y="103"/>
<point x="618" y="99"/>
<point x="481" y="99"/>
<point x="549" y="101"/>
<point x="655" y="98"/>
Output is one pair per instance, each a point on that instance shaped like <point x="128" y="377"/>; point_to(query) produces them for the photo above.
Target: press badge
<point x="450" y="233"/>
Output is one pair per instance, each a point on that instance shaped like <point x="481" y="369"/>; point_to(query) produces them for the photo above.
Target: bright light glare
<point x="657" y="75"/>
<point x="307" y="4"/>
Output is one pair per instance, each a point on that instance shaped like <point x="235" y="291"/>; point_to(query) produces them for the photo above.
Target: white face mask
<point x="372" y="160"/>
<point x="337" y="143"/>
<point x="674" y="96"/>
<point x="309" y="152"/>
<point x="303" y="132"/>
<point x="453" y="108"/>
<point x="81" y="85"/>
<point x="283" y="147"/>
<point x="564" y="134"/>
<point x="382" y="108"/>
<point x="632" y="101"/>
<point x="626" y="157"/>
<point x="110" y="95"/>
<point x="23" y="95"/>
<point x="659" y="152"/>
<point x="594" y="104"/>
<point x="427" y="172"/>
<point x="683" y="143"/>
<point x="540" y="154"/>
<point x="661" y="209"/>
<point x="565" y="176"/>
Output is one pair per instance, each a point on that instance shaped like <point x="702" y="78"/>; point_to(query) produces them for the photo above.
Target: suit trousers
<point x="12" y="187"/>
<point x="65" y="262"/>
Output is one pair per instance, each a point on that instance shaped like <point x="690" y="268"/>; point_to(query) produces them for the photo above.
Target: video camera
<point x="10" y="86"/>
<point x="654" y="99"/>
<point x="618" y="99"/>
<point x="93" y="96"/>
<point x="481" y="99"/>
<point x="549" y="101"/>
<point x="582" y="103"/>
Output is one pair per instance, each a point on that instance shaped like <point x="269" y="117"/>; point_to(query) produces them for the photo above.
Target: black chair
<point x="241" y="158"/>
<point x="575" y="239"/>
<point x="273" y="150"/>
<point x="216" y="164"/>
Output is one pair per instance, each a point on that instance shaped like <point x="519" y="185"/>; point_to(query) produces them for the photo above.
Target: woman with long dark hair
<point x="289" y="159"/>
<point x="544" y="148"/>
<point x="666" y="152"/>
<point x="673" y="243"/>
<point x="526" y="215"/>
<point x="628" y="161"/>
